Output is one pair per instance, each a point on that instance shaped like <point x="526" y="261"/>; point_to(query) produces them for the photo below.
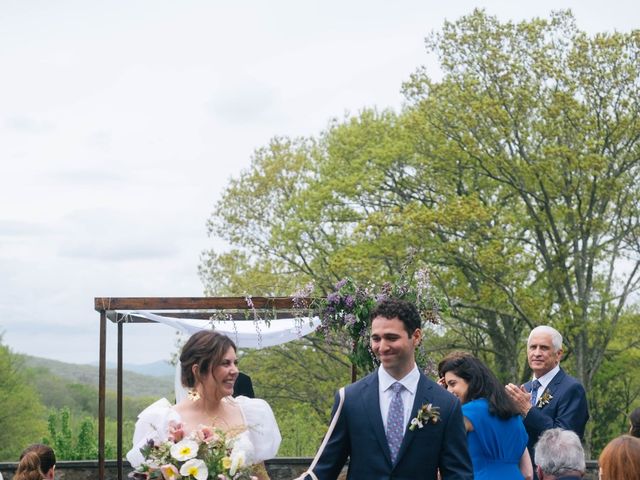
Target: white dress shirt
<point x="408" y="394"/>
<point x="546" y="380"/>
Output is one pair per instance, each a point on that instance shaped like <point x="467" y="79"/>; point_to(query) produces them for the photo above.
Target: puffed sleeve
<point x="151" y="425"/>
<point x="261" y="426"/>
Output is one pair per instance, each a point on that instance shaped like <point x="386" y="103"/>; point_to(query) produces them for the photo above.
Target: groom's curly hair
<point x="405" y="311"/>
<point x="204" y="349"/>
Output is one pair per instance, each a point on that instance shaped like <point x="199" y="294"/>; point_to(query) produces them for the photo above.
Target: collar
<point x="547" y="377"/>
<point x="410" y="381"/>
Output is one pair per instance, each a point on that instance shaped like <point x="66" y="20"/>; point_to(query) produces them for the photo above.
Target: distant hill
<point x="134" y="384"/>
<point x="161" y="368"/>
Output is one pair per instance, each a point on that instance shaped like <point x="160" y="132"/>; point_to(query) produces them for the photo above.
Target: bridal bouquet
<point x="206" y="454"/>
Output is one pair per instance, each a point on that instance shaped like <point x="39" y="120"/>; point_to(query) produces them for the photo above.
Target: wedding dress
<point x="261" y="435"/>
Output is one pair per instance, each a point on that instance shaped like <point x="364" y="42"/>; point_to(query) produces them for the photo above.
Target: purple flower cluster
<point x="349" y="301"/>
<point x="300" y="298"/>
<point x="334" y="298"/>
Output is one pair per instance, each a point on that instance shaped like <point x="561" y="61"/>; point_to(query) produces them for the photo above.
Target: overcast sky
<point x="121" y="122"/>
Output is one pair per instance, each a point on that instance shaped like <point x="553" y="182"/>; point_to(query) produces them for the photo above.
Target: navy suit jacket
<point x="359" y="435"/>
<point x="243" y="386"/>
<point x="567" y="409"/>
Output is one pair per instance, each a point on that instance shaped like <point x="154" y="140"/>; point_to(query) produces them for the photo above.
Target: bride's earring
<point x="193" y="395"/>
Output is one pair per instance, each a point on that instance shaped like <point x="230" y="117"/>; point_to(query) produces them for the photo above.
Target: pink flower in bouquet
<point x="176" y="431"/>
<point x="169" y="472"/>
<point x="207" y="434"/>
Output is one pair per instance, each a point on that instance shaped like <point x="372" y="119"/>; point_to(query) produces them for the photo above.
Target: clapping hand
<point x="520" y="397"/>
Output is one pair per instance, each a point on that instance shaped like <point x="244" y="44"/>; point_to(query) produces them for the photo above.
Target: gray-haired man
<point x="559" y="455"/>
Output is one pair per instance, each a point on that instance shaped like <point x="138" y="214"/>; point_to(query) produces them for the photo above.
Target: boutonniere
<point x="544" y="399"/>
<point x="426" y="413"/>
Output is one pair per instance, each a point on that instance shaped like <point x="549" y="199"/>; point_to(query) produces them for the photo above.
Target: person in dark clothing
<point x="243" y="386"/>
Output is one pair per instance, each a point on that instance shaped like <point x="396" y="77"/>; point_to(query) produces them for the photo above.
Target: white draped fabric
<point x="244" y="333"/>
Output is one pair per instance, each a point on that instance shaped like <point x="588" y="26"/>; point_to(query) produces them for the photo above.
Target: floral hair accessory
<point x="426" y="413"/>
<point x="544" y="399"/>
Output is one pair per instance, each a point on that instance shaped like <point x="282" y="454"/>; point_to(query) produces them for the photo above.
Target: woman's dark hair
<point x="35" y="461"/>
<point x="205" y="349"/>
<point x="634" y="419"/>
<point x="405" y="311"/>
<point x="482" y="383"/>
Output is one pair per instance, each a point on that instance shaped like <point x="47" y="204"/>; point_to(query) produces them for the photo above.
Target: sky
<point x="122" y="122"/>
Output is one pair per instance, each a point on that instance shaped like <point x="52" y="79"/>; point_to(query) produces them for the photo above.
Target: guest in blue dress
<point x="496" y="435"/>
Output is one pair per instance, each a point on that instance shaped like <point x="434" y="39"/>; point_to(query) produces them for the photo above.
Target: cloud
<point x="84" y="176"/>
<point x="11" y="228"/>
<point x="100" y="140"/>
<point x="246" y="100"/>
<point x="127" y="238"/>
<point x="27" y="124"/>
<point x="118" y="250"/>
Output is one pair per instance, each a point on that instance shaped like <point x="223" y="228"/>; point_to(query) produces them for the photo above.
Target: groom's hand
<point x="520" y="397"/>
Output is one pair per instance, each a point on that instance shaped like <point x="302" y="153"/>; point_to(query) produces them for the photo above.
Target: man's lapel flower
<point x="544" y="399"/>
<point x="426" y="413"/>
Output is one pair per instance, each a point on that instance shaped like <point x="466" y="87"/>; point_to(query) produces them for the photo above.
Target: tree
<point x="513" y="177"/>
<point x="21" y="415"/>
<point x="74" y="446"/>
<point x="252" y="216"/>
<point x="549" y="119"/>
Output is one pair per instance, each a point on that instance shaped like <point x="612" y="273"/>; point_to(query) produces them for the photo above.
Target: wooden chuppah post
<point x="197" y="307"/>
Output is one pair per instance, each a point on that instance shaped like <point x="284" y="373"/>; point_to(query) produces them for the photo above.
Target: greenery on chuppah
<point x="513" y="175"/>
<point x="346" y="313"/>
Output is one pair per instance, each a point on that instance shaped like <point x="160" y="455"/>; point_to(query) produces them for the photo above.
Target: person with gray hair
<point x="559" y="455"/>
<point x="552" y="399"/>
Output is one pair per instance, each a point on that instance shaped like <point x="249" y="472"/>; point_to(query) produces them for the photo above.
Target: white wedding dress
<point x="262" y="435"/>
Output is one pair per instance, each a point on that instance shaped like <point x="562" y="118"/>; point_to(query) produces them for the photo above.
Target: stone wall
<point x="278" y="468"/>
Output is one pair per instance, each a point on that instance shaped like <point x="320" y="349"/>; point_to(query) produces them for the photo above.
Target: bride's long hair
<point x="35" y="462"/>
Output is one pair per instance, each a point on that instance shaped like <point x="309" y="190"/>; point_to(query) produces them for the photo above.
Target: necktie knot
<point x="397" y="388"/>
<point x="535" y="384"/>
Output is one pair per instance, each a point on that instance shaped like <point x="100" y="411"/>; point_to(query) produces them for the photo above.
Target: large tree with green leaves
<point x="541" y="119"/>
<point x="512" y="174"/>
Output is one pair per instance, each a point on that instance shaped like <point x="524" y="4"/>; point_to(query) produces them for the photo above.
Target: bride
<point x="209" y="368"/>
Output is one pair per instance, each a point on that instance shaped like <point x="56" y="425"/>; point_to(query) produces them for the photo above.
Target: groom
<point x="372" y="427"/>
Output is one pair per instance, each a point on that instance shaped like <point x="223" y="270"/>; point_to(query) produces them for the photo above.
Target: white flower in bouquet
<point x="242" y="447"/>
<point x="195" y="468"/>
<point x="184" y="450"/>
